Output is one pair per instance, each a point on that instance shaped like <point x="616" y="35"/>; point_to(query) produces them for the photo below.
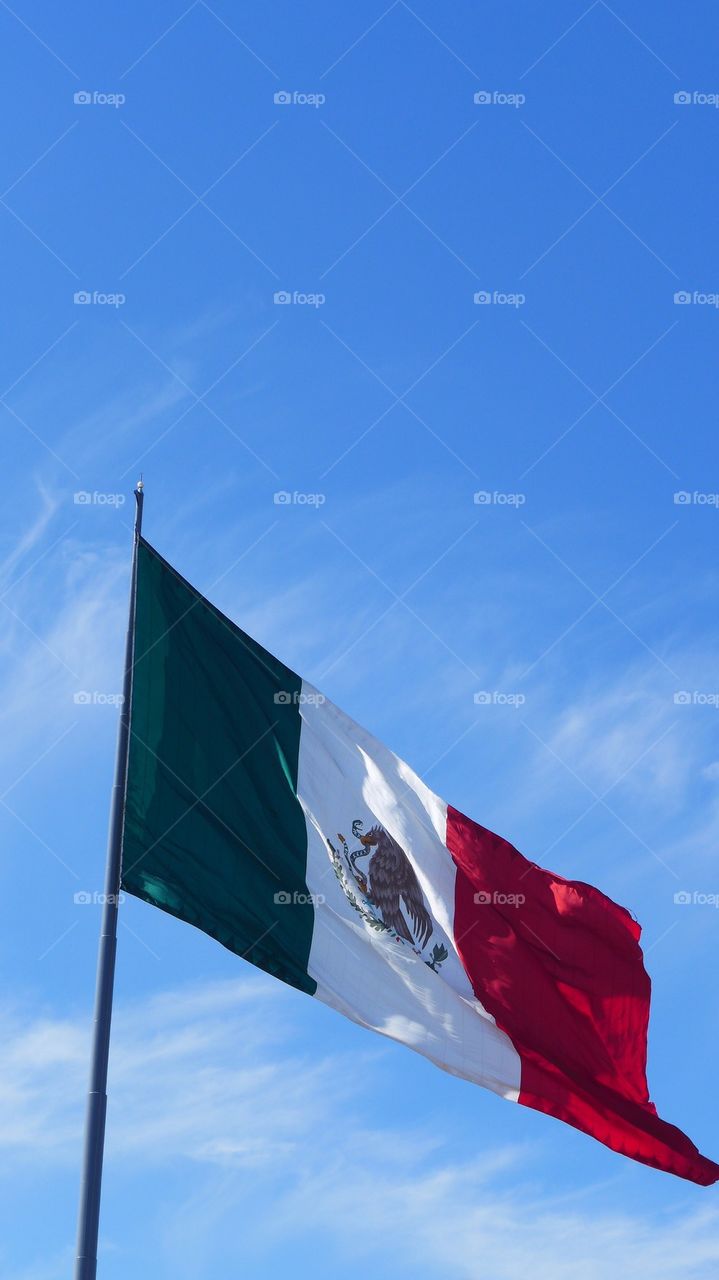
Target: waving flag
<point x="262" y="814"/>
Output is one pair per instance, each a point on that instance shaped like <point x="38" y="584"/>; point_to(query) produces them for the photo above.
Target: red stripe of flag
<point x="560" y="968"/>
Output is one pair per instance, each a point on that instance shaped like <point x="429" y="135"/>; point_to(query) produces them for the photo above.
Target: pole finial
<point x="139" y="503"/>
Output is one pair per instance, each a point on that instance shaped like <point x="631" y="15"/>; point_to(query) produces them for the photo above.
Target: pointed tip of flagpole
<point x="139" y="499"/>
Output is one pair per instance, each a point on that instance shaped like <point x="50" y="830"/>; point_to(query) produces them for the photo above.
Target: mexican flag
<point x="259" y="812"/>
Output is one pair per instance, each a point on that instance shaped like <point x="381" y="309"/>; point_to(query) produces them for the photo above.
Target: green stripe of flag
<point x="214" y="833"/>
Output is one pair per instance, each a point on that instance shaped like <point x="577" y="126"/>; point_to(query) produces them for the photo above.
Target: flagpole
<point x="89" y="1213"/>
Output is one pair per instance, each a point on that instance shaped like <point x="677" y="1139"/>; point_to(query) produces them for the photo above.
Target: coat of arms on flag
<point x="387" y="894"/>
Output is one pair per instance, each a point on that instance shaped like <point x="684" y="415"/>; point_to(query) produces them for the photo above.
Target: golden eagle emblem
<point x="390" y="897"/>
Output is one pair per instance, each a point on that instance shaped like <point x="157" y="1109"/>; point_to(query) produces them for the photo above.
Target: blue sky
<point x="250" y="1128"/>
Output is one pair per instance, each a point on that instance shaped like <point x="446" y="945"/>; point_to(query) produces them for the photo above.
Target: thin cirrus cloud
<point x="62" y="626"/>
<point x="209" y="1077"/>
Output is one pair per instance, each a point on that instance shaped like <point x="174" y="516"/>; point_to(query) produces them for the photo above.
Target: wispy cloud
<point x="250" y="1104"/>
<point x="209" y="1076"/>
<point x="61" y="628"/>
<point x="30" y="536"/>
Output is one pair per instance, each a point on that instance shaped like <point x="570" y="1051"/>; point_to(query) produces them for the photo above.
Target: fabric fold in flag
<point x="262" y="814"/>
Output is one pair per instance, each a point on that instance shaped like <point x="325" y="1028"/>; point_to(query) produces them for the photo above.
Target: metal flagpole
<point x="89" y="1214"/>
